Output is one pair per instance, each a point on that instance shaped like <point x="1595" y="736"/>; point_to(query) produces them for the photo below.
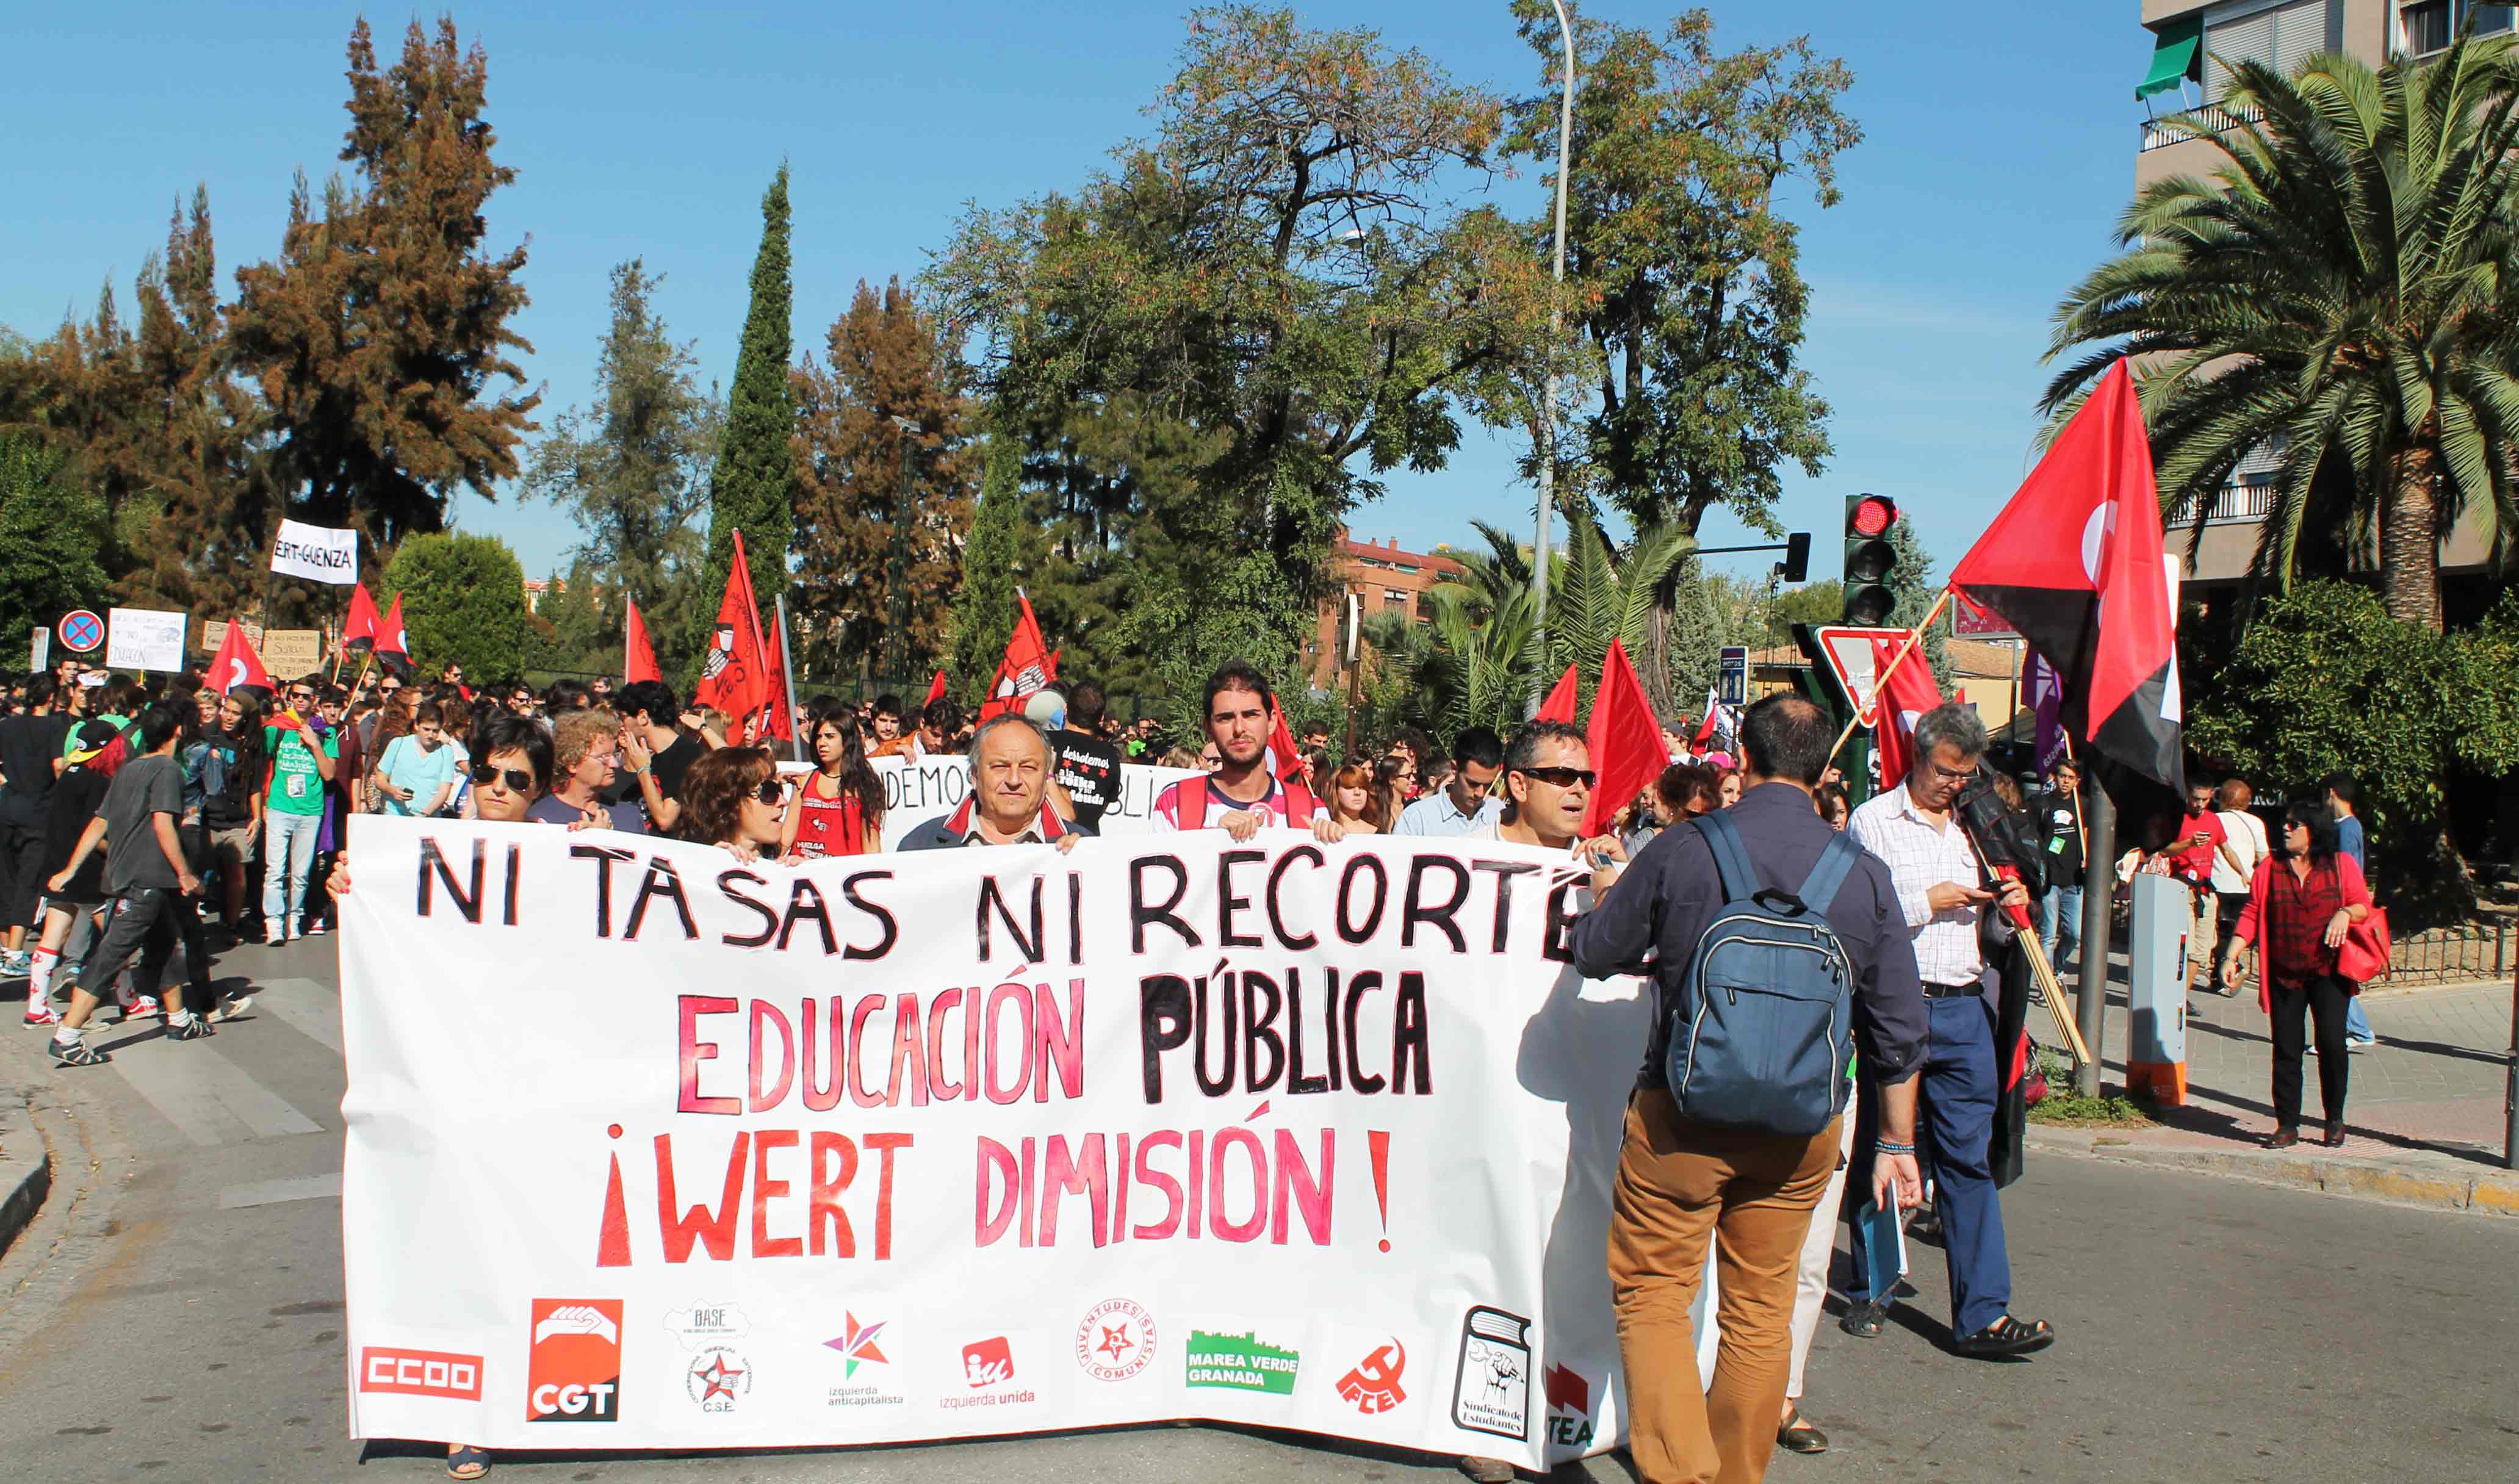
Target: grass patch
<point x="2063" y="1108"/>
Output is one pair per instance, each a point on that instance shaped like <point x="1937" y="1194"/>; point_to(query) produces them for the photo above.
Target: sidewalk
<point x="2424" y="1114"/>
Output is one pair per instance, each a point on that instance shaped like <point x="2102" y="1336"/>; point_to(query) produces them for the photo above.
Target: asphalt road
<point x="175" y="1314"/>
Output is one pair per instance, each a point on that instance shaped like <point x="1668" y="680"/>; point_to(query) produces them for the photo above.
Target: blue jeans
<point x="2357" y="1022"/>
<point x="2060" y="920"/>
<point x="1956" y="1094"/>
<point x="287" y="852"/>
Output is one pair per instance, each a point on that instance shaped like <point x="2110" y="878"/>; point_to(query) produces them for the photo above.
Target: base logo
<point x="1570" y="1407"/>
<point x="573" y="1367"/>
<point x="1373" y="1386"/>
<point x="1492" y="1392"/>
<point x="420" y="1373"/>
<point x="1241" y="1362"/>
<point x="1116" y="1340"/>
<point x="718" y="1378"/>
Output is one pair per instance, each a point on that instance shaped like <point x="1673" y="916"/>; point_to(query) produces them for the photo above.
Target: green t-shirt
<point x="296" y="779"/>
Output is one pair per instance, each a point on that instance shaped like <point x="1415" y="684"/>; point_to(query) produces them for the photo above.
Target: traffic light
<point x="1795" y="567"/>
<point x="1870" y="562"/>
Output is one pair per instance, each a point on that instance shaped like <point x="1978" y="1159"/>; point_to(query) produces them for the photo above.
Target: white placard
<point x="968" y="1142"/>
<point x="318" y="553"/>
<point x="144" y="639"/>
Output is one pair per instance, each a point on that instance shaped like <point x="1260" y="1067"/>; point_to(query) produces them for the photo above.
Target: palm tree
<point x="2331" y="295"/>
<point x="1600" y="596"/>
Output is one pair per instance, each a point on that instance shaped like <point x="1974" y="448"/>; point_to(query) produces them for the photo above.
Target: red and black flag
<point x="393" y="643"/>
<point x="2074" y="564"/>
<point x="358" y="630"/>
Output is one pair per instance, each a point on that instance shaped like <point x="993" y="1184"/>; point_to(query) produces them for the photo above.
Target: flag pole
<point x="787" y="664"/>
<point x="1915" y="636"/>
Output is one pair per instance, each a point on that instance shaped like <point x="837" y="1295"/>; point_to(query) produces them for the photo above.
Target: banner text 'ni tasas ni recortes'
<point x="1276" y="1015"/>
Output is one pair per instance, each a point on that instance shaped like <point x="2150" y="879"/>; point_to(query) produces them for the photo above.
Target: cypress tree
<point x="984" y="611"/>
<point x="753" y="489"/>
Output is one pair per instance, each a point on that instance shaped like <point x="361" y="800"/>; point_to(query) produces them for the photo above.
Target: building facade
<point x="1384" y="579"/>
<point x="2194" y="45"/>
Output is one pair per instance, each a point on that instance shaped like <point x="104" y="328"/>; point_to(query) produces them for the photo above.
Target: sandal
<point x="466" y="1461"/>
<point x="1862" y="1320"/>
<point x="2005" y="1336"/>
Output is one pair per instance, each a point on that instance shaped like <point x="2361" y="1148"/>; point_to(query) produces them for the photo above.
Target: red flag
<point x="1625" y="740"/>
<point x="1027" y="667"/>
<point x="779" y="721"/>
<point x="935" y="691"/>
<point x="359" y="631"/>
<point x="393" y="641"/>
<point x="638" y="656"/>
<point x="730" y="676"/>
<point x="1289" y="758"/>
<point x="238" y="665"/>
<point x="1561" y="700"/>
<point x="1895" y="706"/>
<point x="2074" y="564"/>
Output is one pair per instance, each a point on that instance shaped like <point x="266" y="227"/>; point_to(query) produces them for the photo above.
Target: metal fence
<point x="2446" y="955"/>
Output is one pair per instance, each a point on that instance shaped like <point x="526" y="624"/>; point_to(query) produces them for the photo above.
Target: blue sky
<point x="1998" y="149"/>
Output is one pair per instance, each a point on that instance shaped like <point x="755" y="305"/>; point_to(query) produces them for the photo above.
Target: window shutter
<point x="2280" y="36"/>
<point x="2300" y="29"/>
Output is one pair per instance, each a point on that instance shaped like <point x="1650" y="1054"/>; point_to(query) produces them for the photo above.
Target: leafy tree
<point x="1210" y="352"/>
<point x="868" y="560"/>
<point x="1811" y="603"/>
<point x="51" y="534"/>
<point x="463" y="602"/>
<point x="753" y="488"/>
<point x="375" y="337"/>
<point x="1689" y="285"/>
<point x="632" y="470"/>
<point x="2334" y="294"/>
<point x="993" y="566"/>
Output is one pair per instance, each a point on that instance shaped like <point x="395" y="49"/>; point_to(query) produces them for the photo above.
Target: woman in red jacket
<point x="2300" y="902"/>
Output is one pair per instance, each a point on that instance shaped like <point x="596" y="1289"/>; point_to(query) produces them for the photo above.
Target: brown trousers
<point x="1681" y="1184"/>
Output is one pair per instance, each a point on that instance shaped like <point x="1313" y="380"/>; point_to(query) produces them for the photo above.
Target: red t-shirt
<point x="2196" y="864"/>
<point x="828" y="826"/>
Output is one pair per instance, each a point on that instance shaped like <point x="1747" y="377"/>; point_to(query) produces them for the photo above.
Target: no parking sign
<point x="82" y="631"/>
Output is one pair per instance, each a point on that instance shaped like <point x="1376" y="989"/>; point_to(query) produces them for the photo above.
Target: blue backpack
<point x="1765" y="1018"/>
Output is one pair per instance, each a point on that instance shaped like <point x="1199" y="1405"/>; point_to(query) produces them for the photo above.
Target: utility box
<point x="2157" y="987"/>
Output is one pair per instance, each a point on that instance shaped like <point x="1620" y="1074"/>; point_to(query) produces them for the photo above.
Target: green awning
<point x="2178" y="55"/>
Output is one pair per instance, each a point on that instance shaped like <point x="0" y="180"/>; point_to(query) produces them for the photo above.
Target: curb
<point x="26" y="1172"/>
<point x="2496" y="1193"/>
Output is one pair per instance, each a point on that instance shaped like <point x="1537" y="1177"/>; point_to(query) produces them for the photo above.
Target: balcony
<point x="2212" y="118"/>
<point x="2249" y="500"/>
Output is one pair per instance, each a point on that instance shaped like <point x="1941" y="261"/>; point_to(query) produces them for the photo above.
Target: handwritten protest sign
<point x="972" y="1142"/>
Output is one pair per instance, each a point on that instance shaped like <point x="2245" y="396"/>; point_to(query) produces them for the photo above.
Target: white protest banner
<point x="652" y="1148"/>
<point x="318" y="553"/>
<point x="144" y="639"/>
<point x="916" y="790"/>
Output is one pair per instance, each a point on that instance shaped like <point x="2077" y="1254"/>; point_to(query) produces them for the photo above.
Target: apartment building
<point x="2194" y="43"/>
<point x="1384" y="579"/>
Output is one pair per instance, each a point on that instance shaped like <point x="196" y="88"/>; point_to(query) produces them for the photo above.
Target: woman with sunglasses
<point x="839" y="805"/>
<point x="732" y="798"/>
<point x="2302" y="901"/>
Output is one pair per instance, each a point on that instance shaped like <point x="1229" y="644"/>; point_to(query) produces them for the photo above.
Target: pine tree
<point x="753" y="488"/>
<point x="376" y="335"/>
<point x="984" y="607"/>
<point x="867" y="561"/>
<point x="632" y="471"/>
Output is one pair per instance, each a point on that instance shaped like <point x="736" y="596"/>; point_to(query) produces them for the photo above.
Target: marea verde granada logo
<point x="1373" y="1386"/>
<point x="1116" y="1341"/>
<point x="1241" y="1362"/>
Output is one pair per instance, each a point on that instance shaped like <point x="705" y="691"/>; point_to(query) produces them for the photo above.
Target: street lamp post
<point x="1556" y="329"/>
<point x="900" y="554"/>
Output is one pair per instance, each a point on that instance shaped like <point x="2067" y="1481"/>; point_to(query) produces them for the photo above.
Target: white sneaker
<point x="297" y="927"/>
<point x="272" y="933"/>
<point x="231" y="1007"/>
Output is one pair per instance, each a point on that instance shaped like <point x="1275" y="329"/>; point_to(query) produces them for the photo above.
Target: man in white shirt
<point x="1938" y="881"/>
<point x="1466" y="803"/>
<point x="2235" y="863"/>
<point x="1241" y="796"/>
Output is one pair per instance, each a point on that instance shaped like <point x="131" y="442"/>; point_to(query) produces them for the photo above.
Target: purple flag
<point x="2047" y="699"/>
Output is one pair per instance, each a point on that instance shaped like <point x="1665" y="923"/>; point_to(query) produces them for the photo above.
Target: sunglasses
<point x="770" y="791"/>
<point x="1561" y="777"/>
<point x="301" y="698"/>
<point x="518" y="781"/>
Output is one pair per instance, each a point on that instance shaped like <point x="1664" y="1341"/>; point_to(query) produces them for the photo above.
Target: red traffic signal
<point x="1870" y="515"/>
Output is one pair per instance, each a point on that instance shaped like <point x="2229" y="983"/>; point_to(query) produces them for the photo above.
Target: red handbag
<point x="2367" y="948"/>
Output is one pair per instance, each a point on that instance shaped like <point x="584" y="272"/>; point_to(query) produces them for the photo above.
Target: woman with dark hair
<point x="839" y="805"/>
<point x="2302" y="901"/>
<point x="1836" y="806"/>
<point x="1394" y="783"/>
<point x="1354" y="802"/>
<point x="731" y="797"/>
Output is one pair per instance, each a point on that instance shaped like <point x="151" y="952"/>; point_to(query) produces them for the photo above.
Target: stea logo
<point x="988" y="1362"/>
<point x="1570" y="1407"/>
<point x="1115" y="1342"/>
<point x="573" y="1369"/>
<point x="1373" y="1386"/>
<point x="420" y="1373"/>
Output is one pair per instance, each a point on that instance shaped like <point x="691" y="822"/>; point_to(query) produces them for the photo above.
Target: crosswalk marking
<point x="309" y="1008"/>
<point x="276" y="1192"/>
<point x="209" y="1098"/>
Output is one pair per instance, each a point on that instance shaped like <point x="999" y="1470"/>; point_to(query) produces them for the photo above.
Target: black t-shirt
<point x="2059" y="841"/>
<point x="669" y="765"/>
<point x="73" y="804"/>
<point x="1089" y="768"/>
<point x="144" y="789"/>
<point x="28" y="747"/>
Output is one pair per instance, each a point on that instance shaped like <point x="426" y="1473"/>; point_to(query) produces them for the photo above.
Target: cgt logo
<point x="420" y="1373"/>
<point x="573" y="1371"/>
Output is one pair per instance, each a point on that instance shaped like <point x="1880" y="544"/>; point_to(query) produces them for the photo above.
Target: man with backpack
<point x="1943" y="894"/>
<point x="1774" y="943"/>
